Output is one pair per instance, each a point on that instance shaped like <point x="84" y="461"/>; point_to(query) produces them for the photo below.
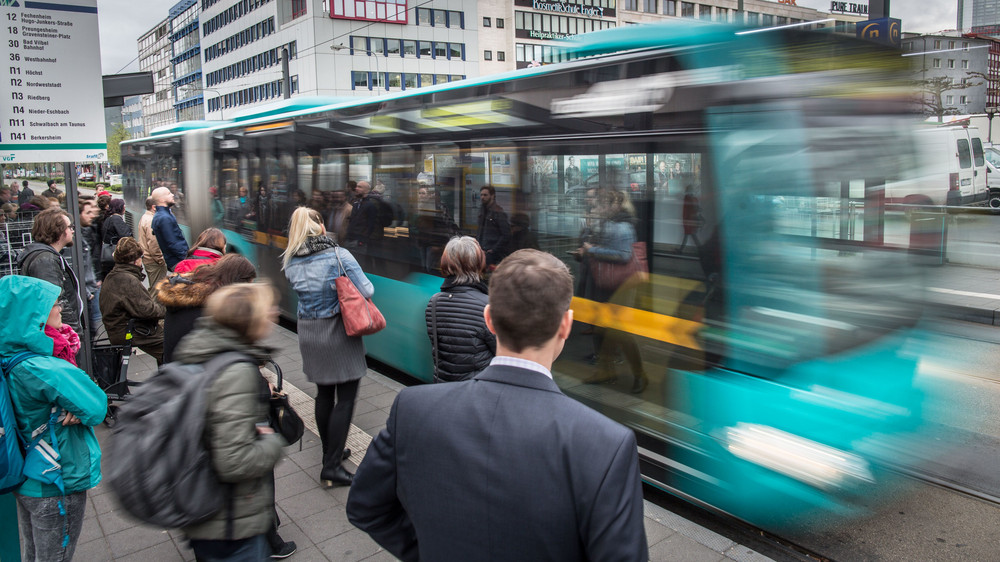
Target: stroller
<point x="110" y="363"/>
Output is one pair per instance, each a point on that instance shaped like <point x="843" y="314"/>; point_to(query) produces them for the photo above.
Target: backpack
<point x="11" y="447"/>
<point x="386" y="214"/>
<point x="162" y="471"/>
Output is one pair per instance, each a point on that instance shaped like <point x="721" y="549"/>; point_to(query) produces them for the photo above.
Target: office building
<point x="339" y="48"/>
<point x="155" y="52"/>
<point x="963" y="60"/>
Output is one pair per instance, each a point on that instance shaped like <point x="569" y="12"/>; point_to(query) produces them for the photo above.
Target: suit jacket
<point x="500" y="467"/>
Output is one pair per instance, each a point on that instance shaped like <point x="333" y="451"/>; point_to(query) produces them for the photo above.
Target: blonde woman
<point x="331" y="359"/>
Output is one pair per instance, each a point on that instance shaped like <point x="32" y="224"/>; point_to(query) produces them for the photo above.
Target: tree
<point x="118" y="134"/>
<point x="932" y="92"/>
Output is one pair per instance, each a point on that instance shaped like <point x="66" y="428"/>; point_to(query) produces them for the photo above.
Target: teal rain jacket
<point x="41" y="382"/>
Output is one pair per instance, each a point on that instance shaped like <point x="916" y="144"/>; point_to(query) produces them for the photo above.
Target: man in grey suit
<point x="505" y="466"/>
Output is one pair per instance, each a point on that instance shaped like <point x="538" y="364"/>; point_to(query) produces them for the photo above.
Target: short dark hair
<point x="83" y="201"/>
<point x="50" y="183"/>
<point x="4" y="189"/>
<point x="490" y="188"/>
<point x="529" y="294"/>
<point x="24" y="183"/>
<point x="149" y="203"/>
<point x="48" y="226"/>
<point x="116" y="206"/>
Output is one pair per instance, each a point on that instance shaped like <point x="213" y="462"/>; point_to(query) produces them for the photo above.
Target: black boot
<point x="339" y="476"/>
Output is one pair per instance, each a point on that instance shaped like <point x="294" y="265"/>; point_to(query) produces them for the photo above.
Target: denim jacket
<point x="312" y="278"/>
<point x="615" y="242"/>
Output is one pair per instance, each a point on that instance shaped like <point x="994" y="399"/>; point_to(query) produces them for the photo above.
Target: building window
<point x="424" y="48"/>
<point x="965" y="64"/>
<point x="753" y="18"/>
<point x="937" y="63"/>
<point x="670" y="7"/>
<point x="649" y="6"/>
<point x="962" y="100"/>
<point x="949" y="100"/>
<point x="687" y="9"/>
<point x="392" y="11"/>
<point x="298" y="8"/>
<point x="705" y="12"/>
<point x="487" y="55"/>
<point x="965" y="45"/>
<point x="409" y="80"/>
<point x="951" y="63"/>
<point x="766" y="20"/>
<point x="501" y="56"/>
<point x="359" y="80"/>
<point x="409" y="47"/>
<point x="440" y="50"/>
<point x="951" y="44"/>
<point x="937" y="43"/>
<point x="486" y="22"/>
<point x="630" y="5"/>
<point x="781" y="20"/>
<point x="499" y="23"/>
<point x="426" y="80"/>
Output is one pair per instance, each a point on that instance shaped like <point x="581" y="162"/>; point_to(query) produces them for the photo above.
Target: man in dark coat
<point x="363" y="225"/>
<point x="52" y="191"/>
<point x="505" y="466"/>
<point x="25" y="195"/>
<point x="494" y="228"/>
<point x="42" y="259"/>
<point x="168" y="235"/>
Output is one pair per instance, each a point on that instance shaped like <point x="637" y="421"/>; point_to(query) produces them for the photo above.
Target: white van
<point x="952" y="170"/>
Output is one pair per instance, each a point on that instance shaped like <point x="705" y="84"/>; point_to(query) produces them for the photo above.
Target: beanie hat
<point x="127" y="250"/>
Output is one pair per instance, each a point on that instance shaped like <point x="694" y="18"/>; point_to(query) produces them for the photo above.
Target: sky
<point x="123" y="21"/>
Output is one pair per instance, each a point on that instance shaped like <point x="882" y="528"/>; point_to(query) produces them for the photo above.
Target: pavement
<point x="314" y="516"/>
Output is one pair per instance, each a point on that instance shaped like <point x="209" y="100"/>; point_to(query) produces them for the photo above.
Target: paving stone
<point x="381" y="556"/>
<point x="679" y="548"/>
<point x="363" y="406"/>
<point x="293" y="485"/>
<point x="311" y="554"/>
<point x="325" y="525"/>
<point x="136" y="539"/>
<point x="90" y="530"/>
<point x="115" y="521"/>
<point x="655" y="532"/>
<point x="383" y="401"/>
<point x="93" y="551"/>
<point x="163" y="552"/>
<point x="350" y="546"/>
<point x="306" y="504"/>
<point x="103" y="503"/>
<point x="374" y="419"/>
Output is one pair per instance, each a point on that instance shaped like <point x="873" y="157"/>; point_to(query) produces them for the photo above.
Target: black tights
<point x="334" y="410"/>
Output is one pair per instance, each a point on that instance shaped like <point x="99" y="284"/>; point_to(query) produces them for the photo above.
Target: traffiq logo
<point x="98" y="156"/>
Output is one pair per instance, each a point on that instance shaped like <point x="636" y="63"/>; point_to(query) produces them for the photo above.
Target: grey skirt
<point x="329" y="356"/>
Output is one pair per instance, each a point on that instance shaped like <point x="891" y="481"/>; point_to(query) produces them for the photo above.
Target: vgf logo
<point x="8" y="158"/>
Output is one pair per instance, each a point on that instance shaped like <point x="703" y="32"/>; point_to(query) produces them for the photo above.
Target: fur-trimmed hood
<point x="180" y="292"/>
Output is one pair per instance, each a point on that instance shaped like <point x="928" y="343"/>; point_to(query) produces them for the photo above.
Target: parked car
<point x="86" y="176"/>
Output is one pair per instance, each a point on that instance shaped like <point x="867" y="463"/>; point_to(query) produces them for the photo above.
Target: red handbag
<point x="611" y="275"/>
<point x="360" y="315"/>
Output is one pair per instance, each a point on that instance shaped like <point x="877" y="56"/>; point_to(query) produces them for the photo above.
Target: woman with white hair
<point x="331" y="359"/>
<point x="461" y="344"/>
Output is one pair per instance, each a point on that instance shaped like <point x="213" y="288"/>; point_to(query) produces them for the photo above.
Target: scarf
<point x="66" y="342"/>
<point x="315" y="244"/>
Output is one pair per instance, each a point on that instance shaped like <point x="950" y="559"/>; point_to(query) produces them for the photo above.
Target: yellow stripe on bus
<point x="669" y="329"/>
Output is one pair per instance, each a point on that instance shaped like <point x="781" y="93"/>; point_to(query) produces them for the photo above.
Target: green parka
<point x="41" y="382"/>
<point x="239" y="455"/>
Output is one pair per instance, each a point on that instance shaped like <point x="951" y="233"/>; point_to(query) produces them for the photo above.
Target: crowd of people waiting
<point x="200" y="302"/>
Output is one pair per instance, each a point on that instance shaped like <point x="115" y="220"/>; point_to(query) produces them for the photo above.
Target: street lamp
<point x="990" y="112"/>
<point x="222" y="115"/>
<point x="341" y="46"/>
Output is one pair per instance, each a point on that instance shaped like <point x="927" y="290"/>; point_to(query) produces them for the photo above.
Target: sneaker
<point x="285" y="551"/>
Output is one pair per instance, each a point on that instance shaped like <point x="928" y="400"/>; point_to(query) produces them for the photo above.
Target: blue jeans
<point x="253" y="549"/>
<point x="43" y="528"/>
<point x="94" y="308"/>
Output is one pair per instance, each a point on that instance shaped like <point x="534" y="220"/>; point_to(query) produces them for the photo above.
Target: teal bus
<point x="776" y="341"/>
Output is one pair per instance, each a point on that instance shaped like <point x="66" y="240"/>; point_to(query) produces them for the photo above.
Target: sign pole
<point x="76" y="250"/>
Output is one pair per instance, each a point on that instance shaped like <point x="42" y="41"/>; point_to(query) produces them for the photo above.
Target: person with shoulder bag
<point x="331" y="359"/>
<point x="242" y="444"/>
<point x="461" y="344"/>
<point x="114" y="229"/>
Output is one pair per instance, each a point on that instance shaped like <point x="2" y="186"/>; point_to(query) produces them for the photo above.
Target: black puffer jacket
<point x="464" y="344"/>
